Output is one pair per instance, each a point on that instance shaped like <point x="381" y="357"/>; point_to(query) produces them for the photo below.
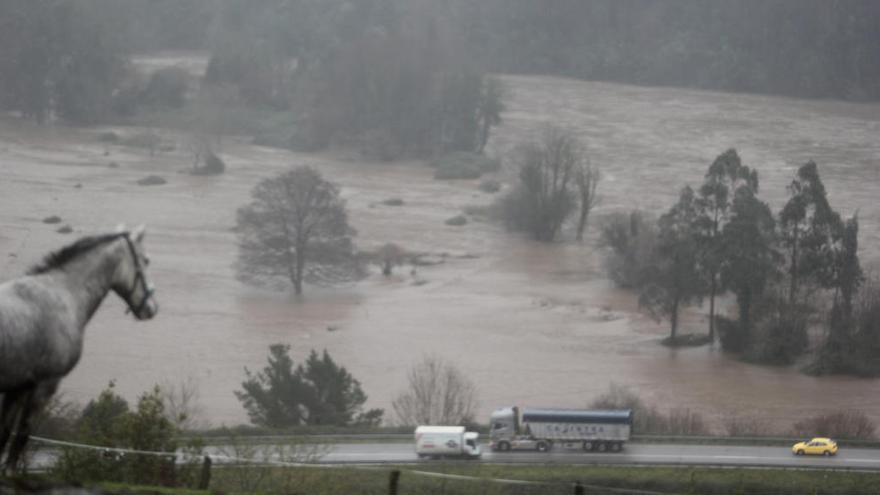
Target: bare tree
<point x="545" y="195"/>
<point x="296" y="228"/>
<point x="489" y="109"/>
<point x="390" y="255"/>
<point x="587" y="180"/>
<point x="438" y="394"/>
<point x="182" y="405"/>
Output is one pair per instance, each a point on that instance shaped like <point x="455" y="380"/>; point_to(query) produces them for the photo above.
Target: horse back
<point x="38" y="335"/>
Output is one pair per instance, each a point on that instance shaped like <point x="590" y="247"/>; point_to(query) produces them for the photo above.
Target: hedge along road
<point x="862" y="459"/>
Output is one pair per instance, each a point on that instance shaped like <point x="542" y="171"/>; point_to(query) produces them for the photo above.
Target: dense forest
<point x="812" y="48"/>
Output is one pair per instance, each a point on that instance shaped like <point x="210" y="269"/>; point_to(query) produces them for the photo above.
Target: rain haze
<point x="523" y="193"/>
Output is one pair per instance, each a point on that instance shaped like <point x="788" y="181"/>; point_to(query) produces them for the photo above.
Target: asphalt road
<point x="669" y="454"/>
<point x="633" y="454"/>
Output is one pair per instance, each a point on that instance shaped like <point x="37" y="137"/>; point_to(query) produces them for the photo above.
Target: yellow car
<point x="816" y="446"/>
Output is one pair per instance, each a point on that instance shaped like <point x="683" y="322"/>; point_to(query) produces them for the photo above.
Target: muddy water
<point x="532" y="324"/>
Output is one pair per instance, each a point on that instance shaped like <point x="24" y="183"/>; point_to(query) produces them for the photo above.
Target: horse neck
<point x="90" y="277"/>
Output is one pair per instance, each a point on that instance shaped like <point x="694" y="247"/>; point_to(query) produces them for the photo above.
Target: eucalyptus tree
<point x="674" y="280"/>
<point x="296" y="228"/>
<point x="748" y="257"/>
<point x="808" y="226"/>
<point x="587" y="180"/>
<point x="724" y="177"/>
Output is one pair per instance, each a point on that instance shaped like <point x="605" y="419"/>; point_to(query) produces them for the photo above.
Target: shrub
<point x="844" y="424"/>
<point x="646" y="418"/>
<point x="147" y="140"/>
<point x="108" y="137"/>
<point x="490" y="212"/>
<point x="490" y="186"/>
<point x="687" y="340"/>
<point x="457" y="221"/>
<point x="780" y="334"/>
<point x="463" y="165"/>
<point x="213" y="165"/>
<point x="378" y="144"/>
<point x="393" y="202"/>
<point x="746" y="427"/>
<point x="108" y="421"/>
<point x="52" y="219"/>
<point x="631" y="240"/>
<point x="151" y="180"/>
<point x="732" y="337"/>
<point x="167" y="88"/>
<point x="685" y="422"/>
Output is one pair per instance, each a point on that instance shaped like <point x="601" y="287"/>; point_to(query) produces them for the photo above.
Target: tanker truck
<point x="542" y="429"/>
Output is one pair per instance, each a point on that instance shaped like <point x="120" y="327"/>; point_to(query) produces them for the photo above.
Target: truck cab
<point x="504" y="428"/>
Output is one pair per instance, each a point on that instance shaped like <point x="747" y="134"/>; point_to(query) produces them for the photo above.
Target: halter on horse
<point x="43" y="316"/>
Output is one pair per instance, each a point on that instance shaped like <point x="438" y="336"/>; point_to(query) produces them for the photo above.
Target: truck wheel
<point x="602" y="447"/>
<point x="588" y="446"/>
<point x="616" y="447"/>
<point x="503" y="446"/>
<point x="542" y="447"/>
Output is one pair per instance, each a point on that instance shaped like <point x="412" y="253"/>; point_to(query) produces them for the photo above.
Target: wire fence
<point x="366" y="479"/>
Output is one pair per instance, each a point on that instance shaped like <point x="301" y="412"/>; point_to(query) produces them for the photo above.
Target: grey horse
<point x="43" y="316"/>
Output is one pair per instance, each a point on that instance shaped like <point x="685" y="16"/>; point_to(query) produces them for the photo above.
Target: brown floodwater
<point x="530" y="323"/>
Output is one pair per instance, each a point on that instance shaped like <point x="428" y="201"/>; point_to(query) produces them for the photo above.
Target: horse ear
<point x="138" y="233"/>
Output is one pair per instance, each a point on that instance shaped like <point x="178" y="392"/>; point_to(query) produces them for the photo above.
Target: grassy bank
<point x="548" y="480"/>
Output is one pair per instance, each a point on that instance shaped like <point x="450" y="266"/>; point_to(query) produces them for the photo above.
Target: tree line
<point x="809" y="48"/>
<point x="789" y="272"/>
<point x="390" y="77"/>
<point x="813" y="48"/>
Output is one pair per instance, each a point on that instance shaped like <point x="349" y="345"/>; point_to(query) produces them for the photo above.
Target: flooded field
<point x="536" y="325"/>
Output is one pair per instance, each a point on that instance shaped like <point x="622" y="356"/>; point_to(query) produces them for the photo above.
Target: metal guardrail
<point x="403" y="437"/>
<point x="717" y="440"/>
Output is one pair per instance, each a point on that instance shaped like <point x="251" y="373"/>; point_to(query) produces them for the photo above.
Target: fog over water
<point x="532" y="324"/>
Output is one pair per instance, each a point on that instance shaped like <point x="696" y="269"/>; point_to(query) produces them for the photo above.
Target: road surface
<point x="675" y="454"/>
<point x="633" y="454"/>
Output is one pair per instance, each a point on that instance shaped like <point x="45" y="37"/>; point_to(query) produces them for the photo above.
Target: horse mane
<point x="61" y="257"/>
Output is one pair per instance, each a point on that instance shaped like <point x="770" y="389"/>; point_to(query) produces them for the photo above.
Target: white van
<point x="446" y="441"/>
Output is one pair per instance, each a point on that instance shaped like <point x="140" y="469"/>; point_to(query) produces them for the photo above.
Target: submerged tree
<point x="388" y="256"/>
<point x="489" y="109"/>
<point x="725" y="175"/>
<point x="296" y="228"/>
<point x="587" y="180"/>
<point x="808" y="226"/>
<point x="674" y="279"/>
<point x="749" y="259"/>
<point x="545" y="195"/>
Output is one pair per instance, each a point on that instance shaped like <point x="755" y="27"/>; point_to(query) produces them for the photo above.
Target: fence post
<point x="578" y="488"/>
<point x="392" y="482"/>
<point x="205" y="478"/>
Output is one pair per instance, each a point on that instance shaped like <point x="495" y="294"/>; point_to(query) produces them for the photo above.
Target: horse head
<point x="131" y="281"/>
